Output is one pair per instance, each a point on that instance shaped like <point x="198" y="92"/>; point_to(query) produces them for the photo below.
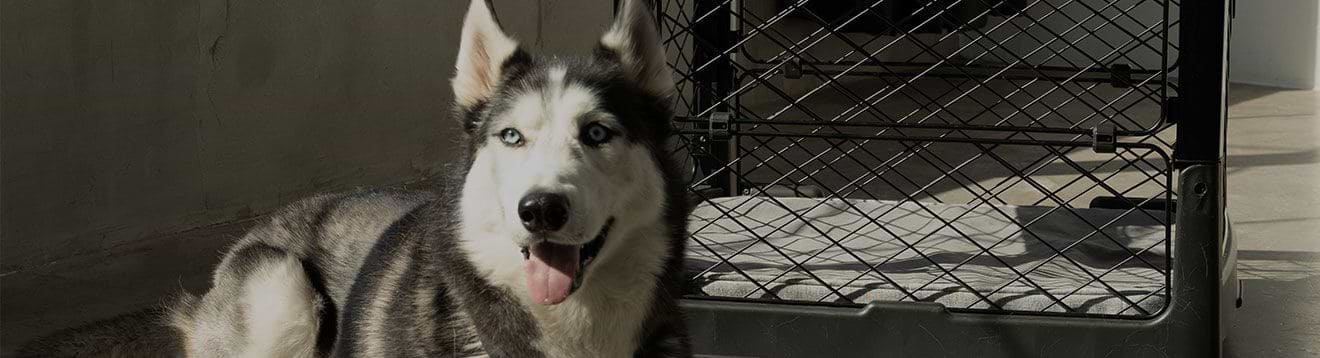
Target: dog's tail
<point x="145" y="333"/>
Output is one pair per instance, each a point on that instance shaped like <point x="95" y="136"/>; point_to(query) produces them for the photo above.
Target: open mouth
<point x="555" y="271"/>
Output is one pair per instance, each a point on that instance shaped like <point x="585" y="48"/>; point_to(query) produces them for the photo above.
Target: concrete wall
<point x="122" y="119"/>
<point x="1276" y="43"/>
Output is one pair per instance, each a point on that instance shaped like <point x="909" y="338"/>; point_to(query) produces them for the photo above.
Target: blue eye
<point x="511" y="137"/>
<point x="596" y="134"/>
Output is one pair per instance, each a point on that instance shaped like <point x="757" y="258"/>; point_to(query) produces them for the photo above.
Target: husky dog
<point x="560" y="234"/>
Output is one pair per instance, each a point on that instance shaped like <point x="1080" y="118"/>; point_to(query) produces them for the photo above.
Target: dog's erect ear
<point x="482" y="54"/>
<point x="635" y="41"/>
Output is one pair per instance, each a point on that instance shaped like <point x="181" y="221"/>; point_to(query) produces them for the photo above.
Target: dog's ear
<point x="483" y="53"/>
<point x="634" y="41"/>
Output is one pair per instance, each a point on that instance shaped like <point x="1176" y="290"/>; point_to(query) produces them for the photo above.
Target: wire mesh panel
<point x="990" y="155"/>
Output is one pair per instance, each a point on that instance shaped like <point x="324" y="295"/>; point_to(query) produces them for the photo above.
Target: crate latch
<point x="718" y="125"/>
<point x="1103" y="139"/>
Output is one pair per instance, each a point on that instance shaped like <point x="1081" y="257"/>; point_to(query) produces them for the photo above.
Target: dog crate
<point x="989" y="178"/>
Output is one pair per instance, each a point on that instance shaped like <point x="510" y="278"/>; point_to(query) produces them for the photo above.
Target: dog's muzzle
<point x="554" y="271"/>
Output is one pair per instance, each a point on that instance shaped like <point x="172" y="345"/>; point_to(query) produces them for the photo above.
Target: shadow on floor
<point x="1279" y="316"/>
<point x="1238" y="93"/>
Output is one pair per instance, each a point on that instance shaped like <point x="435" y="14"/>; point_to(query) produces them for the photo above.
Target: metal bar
<point x="711" y="38"/>
<point x="968" y="127"/>
<point x="901" y="69"/>
<point x="911" y="138"/>
<point x="1203" y="83"/>
<point x="924" y="65"/>
<point x="1100" y="77"/>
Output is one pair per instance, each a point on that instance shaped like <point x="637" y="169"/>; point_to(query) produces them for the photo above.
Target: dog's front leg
<point x="665" y="334"/>
<point x="669" y="345"/>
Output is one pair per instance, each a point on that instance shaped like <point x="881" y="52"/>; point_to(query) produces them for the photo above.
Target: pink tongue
<point x="550" y="269"/>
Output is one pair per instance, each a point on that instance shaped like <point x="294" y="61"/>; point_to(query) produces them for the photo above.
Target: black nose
<point x="543" y="212"/>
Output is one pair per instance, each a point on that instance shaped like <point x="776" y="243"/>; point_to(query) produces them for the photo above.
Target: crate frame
<point x="1202" y="289"/>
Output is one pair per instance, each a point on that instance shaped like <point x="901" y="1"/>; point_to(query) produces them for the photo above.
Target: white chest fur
<point x="603" y="318"/>
<point x="594" y="327"/>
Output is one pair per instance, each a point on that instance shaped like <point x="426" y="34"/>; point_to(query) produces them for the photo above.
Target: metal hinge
<point x="717" y="125"/>
<point x="1103" y="139"/>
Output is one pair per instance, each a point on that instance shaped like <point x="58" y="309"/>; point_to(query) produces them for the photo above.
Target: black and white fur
<point x="441" y="274"/>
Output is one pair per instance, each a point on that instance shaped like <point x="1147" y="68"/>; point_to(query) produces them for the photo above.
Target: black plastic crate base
<point x="1193" y="326"/>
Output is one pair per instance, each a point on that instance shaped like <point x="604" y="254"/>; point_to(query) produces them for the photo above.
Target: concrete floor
<point x="1274" y="201"/>
<point x="1274" y="198"/>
